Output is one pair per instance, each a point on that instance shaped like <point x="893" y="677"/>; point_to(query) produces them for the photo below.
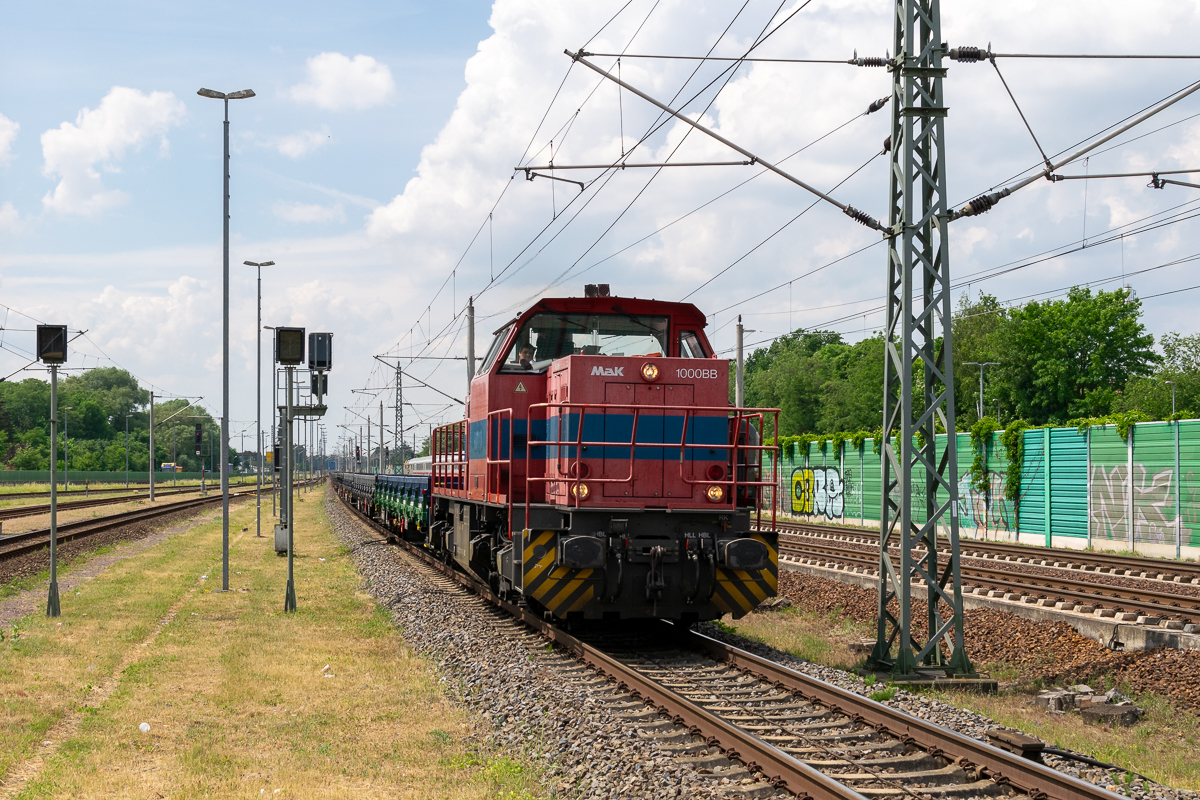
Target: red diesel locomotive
<point x="601" y="472"/>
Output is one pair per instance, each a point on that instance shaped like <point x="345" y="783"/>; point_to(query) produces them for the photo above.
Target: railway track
<point x="33" y="511"/>
<point x="132" y="491"/>
<point x="21" y="544"/>
<point x="787" y="729"/>
<point x="1062" y="592"/>
<point x="1164" y="569"/>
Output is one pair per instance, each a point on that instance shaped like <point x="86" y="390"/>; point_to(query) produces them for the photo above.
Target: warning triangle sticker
<point x="520" y="387"/>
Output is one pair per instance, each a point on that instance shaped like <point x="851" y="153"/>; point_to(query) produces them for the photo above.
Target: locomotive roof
<point x="682" y="313"/>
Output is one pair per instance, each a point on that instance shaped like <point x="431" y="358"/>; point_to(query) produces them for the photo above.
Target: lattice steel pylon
<point x="919" y="492"/>
<point x="398" y="438"/>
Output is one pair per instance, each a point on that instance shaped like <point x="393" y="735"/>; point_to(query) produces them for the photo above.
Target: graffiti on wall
<point x="818" y="491"/>
<point x="991" y="510"/>
<point x="1153" y="503"/>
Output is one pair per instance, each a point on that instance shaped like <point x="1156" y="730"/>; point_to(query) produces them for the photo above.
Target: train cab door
<point x="647" y="463"/>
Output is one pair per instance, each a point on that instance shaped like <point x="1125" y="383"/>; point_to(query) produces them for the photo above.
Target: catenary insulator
<point x="968" y="54"/>
<point x="872" y="61"/>
<point x="860" y="216"/>
<point x="983" y="203"/>
<point x="887" y="144"/>
<point x="878" y="104"/>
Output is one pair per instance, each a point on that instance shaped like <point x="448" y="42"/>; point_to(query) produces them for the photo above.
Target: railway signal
<point x="199" y="438"/>
<point x="52" y="351"/>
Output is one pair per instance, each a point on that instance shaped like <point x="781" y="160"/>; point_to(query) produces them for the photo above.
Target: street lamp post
<point x="258" y="401"/>
<point x="1172" y="397"/>
<point x="239" y="95"/>
<point x="52" y="351"/>
<point x="981" y="365"/>
<point x="127" y="416"/>
<point x="66" y="450"/>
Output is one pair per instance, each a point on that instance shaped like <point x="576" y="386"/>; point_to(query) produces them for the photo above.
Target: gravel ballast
<point x="591" y="739"/>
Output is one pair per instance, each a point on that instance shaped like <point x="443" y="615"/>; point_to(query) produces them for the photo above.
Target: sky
<point x="375" y="167"/>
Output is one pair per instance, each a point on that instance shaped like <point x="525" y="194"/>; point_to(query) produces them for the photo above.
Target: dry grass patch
<point x="824" y="639"/>
<point x="1165" y="746"/>
<point x="242" y="699"/>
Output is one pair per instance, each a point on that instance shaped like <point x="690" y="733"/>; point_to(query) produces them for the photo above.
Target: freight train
<point x="600" y="471"/>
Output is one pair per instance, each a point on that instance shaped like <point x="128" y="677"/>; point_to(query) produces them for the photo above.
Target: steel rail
<point x="132" y="490"/>
<point x="33" y="511"/>
<point x="1038" y="781"/>
<point x="1165" y="566"/>
<point x="33" y="541"/>
<point x="1153" y="603"/>
<point x="1029" y="777"/>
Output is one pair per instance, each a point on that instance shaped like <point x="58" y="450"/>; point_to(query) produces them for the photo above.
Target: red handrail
<point x="738" y="414"/>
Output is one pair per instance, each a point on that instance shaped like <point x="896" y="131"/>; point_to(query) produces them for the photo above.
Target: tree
<point x="1181" y="365"/>
<point x="1063" y="359"/>
<point x="977" y="330"/>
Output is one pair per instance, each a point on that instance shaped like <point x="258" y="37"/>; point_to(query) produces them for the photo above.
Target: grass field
<point x="1165" y="746"/>
<point x="240" y="698"/>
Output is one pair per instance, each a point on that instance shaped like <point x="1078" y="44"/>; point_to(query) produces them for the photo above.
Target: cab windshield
<point x="549" y="336"/>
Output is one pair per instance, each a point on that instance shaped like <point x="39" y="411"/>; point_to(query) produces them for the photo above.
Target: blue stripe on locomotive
<point x="652" y="429"/>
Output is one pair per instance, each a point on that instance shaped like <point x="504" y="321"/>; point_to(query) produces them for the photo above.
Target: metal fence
<point x="1089" y="488"/>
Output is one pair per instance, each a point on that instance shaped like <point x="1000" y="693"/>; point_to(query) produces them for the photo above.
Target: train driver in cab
<point x="525" y="356"/>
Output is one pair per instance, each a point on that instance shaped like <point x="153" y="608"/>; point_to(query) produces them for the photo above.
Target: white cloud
<point x="8" y="217"/>
<point x="125" y="120"/>
<point x="298" y="145"/>
<point x="8" y="133"/>
<point x="309" y="212"/>
<point x="337" y="83"/>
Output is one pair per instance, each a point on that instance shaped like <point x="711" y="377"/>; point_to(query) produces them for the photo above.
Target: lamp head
<point x="212" y="94"/>
<point x="241" y="95"/>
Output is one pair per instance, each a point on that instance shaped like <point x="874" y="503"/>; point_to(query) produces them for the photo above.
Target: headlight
<point x="650" y="371"/>
<point x="715" y="494"/>
<point x="581" y="491"/>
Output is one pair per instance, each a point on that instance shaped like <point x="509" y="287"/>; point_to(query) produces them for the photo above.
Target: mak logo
<point x="611" y="372"/>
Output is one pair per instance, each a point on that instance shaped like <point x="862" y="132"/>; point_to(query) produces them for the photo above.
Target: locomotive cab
<point x="601" y="471"/>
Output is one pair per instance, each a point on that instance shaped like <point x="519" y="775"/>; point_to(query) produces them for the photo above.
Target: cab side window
<point x="689" y="345"/>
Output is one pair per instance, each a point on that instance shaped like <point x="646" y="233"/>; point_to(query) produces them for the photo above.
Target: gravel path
<point x="593" y="740"/>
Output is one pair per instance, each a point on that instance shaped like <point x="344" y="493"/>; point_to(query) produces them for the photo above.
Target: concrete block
<point x="1085" y="609"/>
<point x="1108" y="714"/>
<point x="1046" y="602"/>
<point x="1031" y="599"/>
<point x="1191" y="627"/>
<point x="1145" y="620"/>
<point x="1012" y="596"/>
<point x="1126" y="616"/>
<point x="1055" y="700"/>
<point x="1104" y="612"/>
<point x="1172" y="624"/>
<point x="1064" y="605"/>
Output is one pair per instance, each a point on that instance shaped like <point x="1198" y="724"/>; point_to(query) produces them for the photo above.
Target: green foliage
<point x="1123" y="421"/>
<point x="1014" y="451"/>
<point x="94" y="409"/>
<point x="981" y="436"/>
<point x="884" y="694"/>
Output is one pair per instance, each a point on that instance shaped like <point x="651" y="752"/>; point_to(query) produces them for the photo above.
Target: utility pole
<point x="380" y="437"/>
<point x="918" y="314"/>
<point x="151" y="447"/>
<point x="739" y="390"/>
<point x="398" y="434"/>
<point x="981" y="365"/>
<point x="470" y="344"/>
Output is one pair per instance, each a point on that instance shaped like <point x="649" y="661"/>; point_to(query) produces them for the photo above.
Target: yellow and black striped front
<point x="560" y="590"/>
<point x="738" y="592"/>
